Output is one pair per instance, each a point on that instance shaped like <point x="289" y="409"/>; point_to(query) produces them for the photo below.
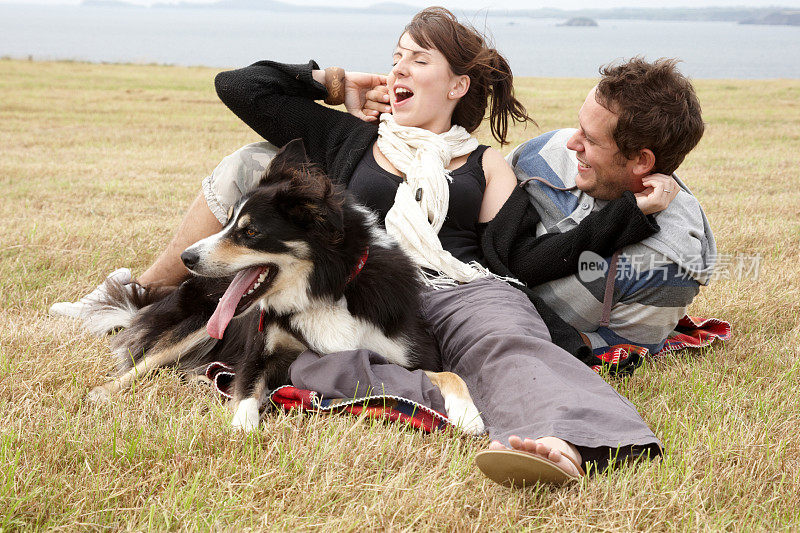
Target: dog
<point x="298" y="265"/>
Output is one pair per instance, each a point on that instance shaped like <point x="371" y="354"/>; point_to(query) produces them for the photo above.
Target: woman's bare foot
<point x="550" y="448"/>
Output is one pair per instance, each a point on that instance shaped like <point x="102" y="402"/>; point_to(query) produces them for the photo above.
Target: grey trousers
<point x="491" y="335"/>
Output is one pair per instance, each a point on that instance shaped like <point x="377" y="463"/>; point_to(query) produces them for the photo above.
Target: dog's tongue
<point x="226" y="307"/>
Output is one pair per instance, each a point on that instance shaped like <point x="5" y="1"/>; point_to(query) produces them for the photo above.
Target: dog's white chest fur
<point x="329" y="327"/>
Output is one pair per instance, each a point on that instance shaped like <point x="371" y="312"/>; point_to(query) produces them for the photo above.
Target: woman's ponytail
<point x="468" y="54"/>
<point x="504" y="103"/>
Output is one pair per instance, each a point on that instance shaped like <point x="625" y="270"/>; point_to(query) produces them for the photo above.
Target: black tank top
<point x="375" y="187"/>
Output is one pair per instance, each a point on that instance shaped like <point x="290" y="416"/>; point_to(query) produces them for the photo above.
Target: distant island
<point x="575" y="17"/>
<point x="580" y="21"/>
<point x="776" y="18"/>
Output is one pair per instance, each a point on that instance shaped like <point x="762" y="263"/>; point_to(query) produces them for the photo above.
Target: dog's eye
<point x="250" y="232"/>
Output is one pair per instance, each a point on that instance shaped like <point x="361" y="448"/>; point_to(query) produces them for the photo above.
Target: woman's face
<point x="419" y="84"/>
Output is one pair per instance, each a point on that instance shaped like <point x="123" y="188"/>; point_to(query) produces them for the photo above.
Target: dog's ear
<point x="332" y="210"/>
<point x="289" y="159"/>
<point x="309" y="198"/>
<point x="293" y="154"/>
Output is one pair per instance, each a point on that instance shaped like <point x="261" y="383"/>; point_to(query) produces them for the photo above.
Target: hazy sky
<point x="504" y="4"/>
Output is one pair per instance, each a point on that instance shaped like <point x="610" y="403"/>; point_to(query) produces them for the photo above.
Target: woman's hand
<point x="377" y="101"/>
<point x="357" y="88"/>
<point x="659" y="191"/>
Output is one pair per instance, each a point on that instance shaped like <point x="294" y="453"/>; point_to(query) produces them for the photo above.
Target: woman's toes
<point x="542" y="449"/>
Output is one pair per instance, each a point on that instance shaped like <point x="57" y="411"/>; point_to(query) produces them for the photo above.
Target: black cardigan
<point x="511" y="248"/>
<point x="277" y="101"/>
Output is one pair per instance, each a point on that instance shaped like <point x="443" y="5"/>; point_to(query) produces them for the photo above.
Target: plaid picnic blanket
<point x="691" y="332"/>
<point x="391" y="408"/>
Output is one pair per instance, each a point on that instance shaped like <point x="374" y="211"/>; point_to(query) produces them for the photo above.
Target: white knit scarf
<point x="421" y="202"/>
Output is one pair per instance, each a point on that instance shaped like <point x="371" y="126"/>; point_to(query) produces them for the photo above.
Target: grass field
<point x="98" y="163"/>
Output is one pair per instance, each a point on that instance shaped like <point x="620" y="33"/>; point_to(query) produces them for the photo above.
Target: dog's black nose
<point x="189" y="258"/>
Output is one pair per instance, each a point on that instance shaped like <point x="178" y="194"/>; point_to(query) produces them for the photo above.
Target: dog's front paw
<point x="463" y="413"/>
<point x="246" y="417"/>
<point x="99" y="395"/>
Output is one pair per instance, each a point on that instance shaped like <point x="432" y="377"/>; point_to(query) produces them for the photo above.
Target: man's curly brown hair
<point x="656" y="107"/>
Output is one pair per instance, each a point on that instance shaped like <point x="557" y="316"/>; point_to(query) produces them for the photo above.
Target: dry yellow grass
<point x="99" y="162"/>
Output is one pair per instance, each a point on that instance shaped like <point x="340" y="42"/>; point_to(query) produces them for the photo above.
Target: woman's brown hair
<point x="468" y="54"/>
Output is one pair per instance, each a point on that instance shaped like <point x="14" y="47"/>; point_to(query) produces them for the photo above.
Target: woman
<point x="434" y="186"/>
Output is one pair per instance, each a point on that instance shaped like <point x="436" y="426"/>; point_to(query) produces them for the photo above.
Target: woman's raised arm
<point x="277" y="101"/>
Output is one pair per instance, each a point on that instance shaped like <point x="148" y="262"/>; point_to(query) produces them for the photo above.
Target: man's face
<point x="603" y="172"/>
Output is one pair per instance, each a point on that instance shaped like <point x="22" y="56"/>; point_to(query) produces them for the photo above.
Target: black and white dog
<point x="311" y="269"/>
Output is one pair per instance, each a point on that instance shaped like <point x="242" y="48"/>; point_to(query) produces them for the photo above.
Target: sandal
<point x="514" y="468"/>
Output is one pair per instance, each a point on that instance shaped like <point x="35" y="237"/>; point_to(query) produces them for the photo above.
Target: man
<point x="641" y="118"/>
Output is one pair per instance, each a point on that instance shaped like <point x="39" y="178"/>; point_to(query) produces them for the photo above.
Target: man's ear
<point x="644" y="163"/>
<point x="288" y="159"/>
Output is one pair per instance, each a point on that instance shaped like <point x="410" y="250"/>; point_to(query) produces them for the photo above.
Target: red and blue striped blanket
<point x="691" y="332"/>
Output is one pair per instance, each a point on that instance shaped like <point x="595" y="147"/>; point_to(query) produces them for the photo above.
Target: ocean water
<point x="534" y="47"/>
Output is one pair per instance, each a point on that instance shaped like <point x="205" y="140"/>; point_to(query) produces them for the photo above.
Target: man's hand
<point x="659" y="191"/>
<point x="359" y="88"/>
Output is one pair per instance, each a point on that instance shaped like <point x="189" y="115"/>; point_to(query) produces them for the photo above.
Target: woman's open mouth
<point x="401" y="94"/>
